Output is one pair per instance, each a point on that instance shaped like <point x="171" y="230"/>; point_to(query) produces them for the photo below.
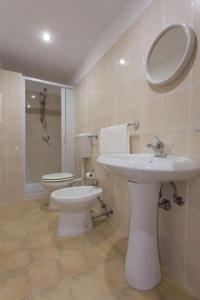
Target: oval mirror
<point x="169" y="54"/>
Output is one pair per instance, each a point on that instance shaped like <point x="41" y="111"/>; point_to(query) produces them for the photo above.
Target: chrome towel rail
<point x="135" y="124"/>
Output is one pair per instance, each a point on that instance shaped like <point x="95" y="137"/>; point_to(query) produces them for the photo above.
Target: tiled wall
<point x="11" y="96"/>
<point x="42" y="158"/>
<point x="112" y="93"/>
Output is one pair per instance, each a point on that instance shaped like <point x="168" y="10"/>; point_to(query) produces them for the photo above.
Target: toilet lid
<point x="57" y="177"/>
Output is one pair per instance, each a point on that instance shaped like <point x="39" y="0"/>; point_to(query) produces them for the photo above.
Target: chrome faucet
<point x="158" y="148"/>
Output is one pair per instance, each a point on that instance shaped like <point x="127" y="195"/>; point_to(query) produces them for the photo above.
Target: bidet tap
<point x="158" y="148"/>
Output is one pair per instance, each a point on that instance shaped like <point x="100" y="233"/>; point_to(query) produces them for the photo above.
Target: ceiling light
<point x="122" y="61"/>
<point x="46" y="37"/>
<point x="33" y="96"/>
<point x="28" y="106"/>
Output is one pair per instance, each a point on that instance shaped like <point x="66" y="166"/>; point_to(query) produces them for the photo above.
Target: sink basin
<point x="145" y="173"/>
<point x="146" y="168"/>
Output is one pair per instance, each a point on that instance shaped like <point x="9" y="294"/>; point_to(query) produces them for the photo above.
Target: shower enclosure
<point x="48" y="131"/>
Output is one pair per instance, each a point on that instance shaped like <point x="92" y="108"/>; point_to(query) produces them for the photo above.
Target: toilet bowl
<point x="75" y="204"/>
<point x="56" y="181"/>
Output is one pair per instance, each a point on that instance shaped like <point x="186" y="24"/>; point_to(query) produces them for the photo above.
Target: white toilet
<point x="75" y="204"/>
<point x="56" y="181"/>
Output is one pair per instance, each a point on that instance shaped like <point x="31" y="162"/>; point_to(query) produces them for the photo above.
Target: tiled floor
<point x="35" y="264"/>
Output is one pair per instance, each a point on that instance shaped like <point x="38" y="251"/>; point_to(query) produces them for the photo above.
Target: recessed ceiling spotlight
<point x="46" y="37"/>
<point x="122" y="61"/>
<point x="33" y="96"/>
<point x="28" y="106"/>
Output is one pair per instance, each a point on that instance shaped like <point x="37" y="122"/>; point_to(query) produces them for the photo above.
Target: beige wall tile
<point x="193" y="230"/>
<point x="172" y="256"/>
<point x="194" y="144"/>
<point x="176" y="109"/>
<point x="11" y="133"/>
<point x="177" y="141"/>
<point x="194" y="192"/>
<point x="152" y="28"/>
<point x="179" y="11"/>
<point x="152" y="115"/>
<point x="192" y="271"/>
<point x="195" y="106"/>
<point x="171" y="113"/>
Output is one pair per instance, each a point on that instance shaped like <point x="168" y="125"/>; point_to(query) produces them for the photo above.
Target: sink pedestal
<point x="144" y="172"/>
<point x="142" y="266"/>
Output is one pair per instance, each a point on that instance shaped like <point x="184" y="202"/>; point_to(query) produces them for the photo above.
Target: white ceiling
<point x="75" y="26"/>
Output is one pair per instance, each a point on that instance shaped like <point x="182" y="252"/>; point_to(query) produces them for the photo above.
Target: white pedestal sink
<point x="145" y="173"/>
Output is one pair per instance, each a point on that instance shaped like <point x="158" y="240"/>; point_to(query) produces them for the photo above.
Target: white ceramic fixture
<point x="53" y="182"/>
<point x="75" y="204"/>
<point x="56" y="181"/>
<point x="145" y="173"/>
<point x="169" y="54"/>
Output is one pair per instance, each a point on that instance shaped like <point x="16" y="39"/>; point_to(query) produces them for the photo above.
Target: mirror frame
<point x="191" y="38"/>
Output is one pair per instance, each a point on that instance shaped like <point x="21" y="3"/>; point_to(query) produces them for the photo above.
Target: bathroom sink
<point x="146" y="168"/>
<point x="145" y="173"/>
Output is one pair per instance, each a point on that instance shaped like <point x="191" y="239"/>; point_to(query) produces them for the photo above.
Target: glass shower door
<point x="42" y="133"/>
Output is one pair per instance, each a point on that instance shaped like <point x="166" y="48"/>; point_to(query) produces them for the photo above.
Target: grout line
<point x="187" y="183"/>
<point x="186" y="235"/>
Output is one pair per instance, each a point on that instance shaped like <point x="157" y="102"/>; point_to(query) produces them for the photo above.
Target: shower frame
<point x="67" y="132"/>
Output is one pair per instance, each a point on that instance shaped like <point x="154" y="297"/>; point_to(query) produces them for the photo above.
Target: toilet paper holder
<point x="89" y="175"/>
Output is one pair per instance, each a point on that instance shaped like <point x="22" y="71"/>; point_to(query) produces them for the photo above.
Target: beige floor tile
<point x="43" y="275"/>
<point x="164" y="291"/>
<point x="31" y="204"/>
<point x="36" y="264"/>
<point x="13" y="241"/>
<point x="95" y="238"/>
<point x="53" y="226"/>
<point x="91" y="287"/>
<point x="168" y="291"/>
<point x="58" y="292"/>
<point x="121" y="245"/>
<point x="101" y="233"/>
<point x="43" y="254"/>
<point x="128" y="294"/>
<point x="14" y="211"/>
<point x="15" y="288"/>
<point x="15" y="225"/>
<point x="75" y="264"/>
<point x="11" y="264"/>
<point x="69" y="244"/>
<point x="113" y="273"/>
<point x="37" y="223"/>
<point x="38" y="238"/>
<point x="105" y="230"/>
<point x="98" y="256"/>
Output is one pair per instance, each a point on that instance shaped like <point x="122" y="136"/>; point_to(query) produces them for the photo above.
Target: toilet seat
<point x="76" y="195"/>
<point x="57" y="177"/>
<point x="56" y="181"/>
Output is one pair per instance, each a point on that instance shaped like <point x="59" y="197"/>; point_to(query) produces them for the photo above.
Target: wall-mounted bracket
<point x="135" y="124"/>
